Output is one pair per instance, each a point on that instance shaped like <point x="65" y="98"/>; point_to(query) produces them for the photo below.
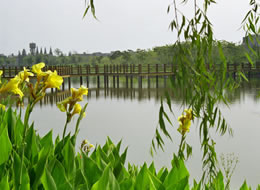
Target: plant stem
<point x="65" y="128"/>
<point x="180" y="153"/>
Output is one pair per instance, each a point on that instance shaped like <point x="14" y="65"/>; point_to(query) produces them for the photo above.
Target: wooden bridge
<point x="122" y="70"/>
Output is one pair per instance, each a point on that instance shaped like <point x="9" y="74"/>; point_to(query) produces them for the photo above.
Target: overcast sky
<point x="122" y="24"/>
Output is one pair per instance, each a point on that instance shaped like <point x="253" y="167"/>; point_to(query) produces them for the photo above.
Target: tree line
<point x="234" y="53"/>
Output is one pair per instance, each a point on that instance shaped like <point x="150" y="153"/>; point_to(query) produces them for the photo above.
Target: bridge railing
<point x="114" y="69"/>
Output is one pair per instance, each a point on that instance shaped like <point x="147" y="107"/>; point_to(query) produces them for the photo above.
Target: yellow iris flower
<point x="78" y="94"/>
<point x="12" y="86"/>
<point x="189" y="113"/>
<point x="77" y="109"/>
<point x="2" y="106"/>
<point x="37" y="69"/>
<point x="53" y="80"/>
<point x="185" y="121"/>
<point x="63" y="105"/>
<point x="25" y="74"/>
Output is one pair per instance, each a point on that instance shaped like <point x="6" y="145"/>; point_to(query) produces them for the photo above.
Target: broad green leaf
<point x="90" y="170"/>
<point x="145" y="180"/>
<point x="4" y="183"/>
<point x="39" y="168"/>
<point x="31" y="149"/>
<point x="80" y="180"/>
<point x="11" y="122"/>
<point x="59" y="176"/>
<point x="68" y="153"/>
<point x="5" y="144"/>
<point x="21" y="177"/>
<point x="127" y="184"/>
<point x="178" y="175"/>
<point x="107" y="181"/>
<point x="47" y="140"/>
<point x="244" y="186"/>
<point x="47" y="180"/>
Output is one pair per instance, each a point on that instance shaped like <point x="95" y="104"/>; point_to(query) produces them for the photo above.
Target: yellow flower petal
<point x="64" y="104"/>
<point x="2" y="106"/>
<point x="24" y="75"/>
<point x="189" y="113"/>
<point x="77" y="95"/>
<point x="53" y="80"/>
<point x="77" y="109"/>
<point x="37" y="69"/>
<point x="12" y="86"/>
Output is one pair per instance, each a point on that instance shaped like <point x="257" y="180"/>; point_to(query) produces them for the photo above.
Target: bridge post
<point x="9" y="71"/>
<point x="97" y="73"/>
<point x="148" y="78"/>
<point x="69" y="83"/>
<point x="157" y="78"/>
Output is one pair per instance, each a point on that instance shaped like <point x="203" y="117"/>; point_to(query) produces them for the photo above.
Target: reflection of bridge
<point x="110" y="93"/>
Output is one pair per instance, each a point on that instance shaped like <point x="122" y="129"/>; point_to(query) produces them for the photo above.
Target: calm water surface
<point x="131" y="114"/>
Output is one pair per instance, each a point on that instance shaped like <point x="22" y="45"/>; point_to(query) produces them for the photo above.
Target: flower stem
<point x="65" y="128"/>
<point x="180" y="153"/>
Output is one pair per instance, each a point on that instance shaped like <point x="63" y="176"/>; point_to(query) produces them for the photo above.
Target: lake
<point x="131" y="114"/>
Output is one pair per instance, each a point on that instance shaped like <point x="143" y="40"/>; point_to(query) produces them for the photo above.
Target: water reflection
<point x="146" y="91"/>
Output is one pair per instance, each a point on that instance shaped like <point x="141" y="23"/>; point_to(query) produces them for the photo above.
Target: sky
<point x="121" y="24"/>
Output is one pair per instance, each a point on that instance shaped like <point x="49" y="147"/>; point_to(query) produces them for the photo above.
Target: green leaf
<point x="47" y="180"/>
<point x="244" y="186"/>
<point x="68" y="153"/>
<point x="21" y="178"/>
<point x="11" y="122"/>
<point x="4" y="183"/>
<point x="178" y="176"/>
<point x="127" y="184"/>
<point x="90" y="170"/>
<point x="249" y="59"/>
<point x="80" y="180"/>
<point x="107" y="181"/>
<point x="39" y="168"/>
<point x="86" y="11"/>
<point x="47" y="140"/>
<point x="5" y="144"/>
<point x="218" y="182"/>
<point x="31" y="149"/>
<point x="59" y="176"/>
<point x="146" y="180"/>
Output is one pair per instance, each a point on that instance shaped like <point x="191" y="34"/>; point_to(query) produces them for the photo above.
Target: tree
<point x="19" y="57"/>
<point x="58" y="52"/>
<point x="37" y="51"/>
<point x="50" y="52"/>
<point x="23" y="53"/>
<point x="45" y="51"/>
